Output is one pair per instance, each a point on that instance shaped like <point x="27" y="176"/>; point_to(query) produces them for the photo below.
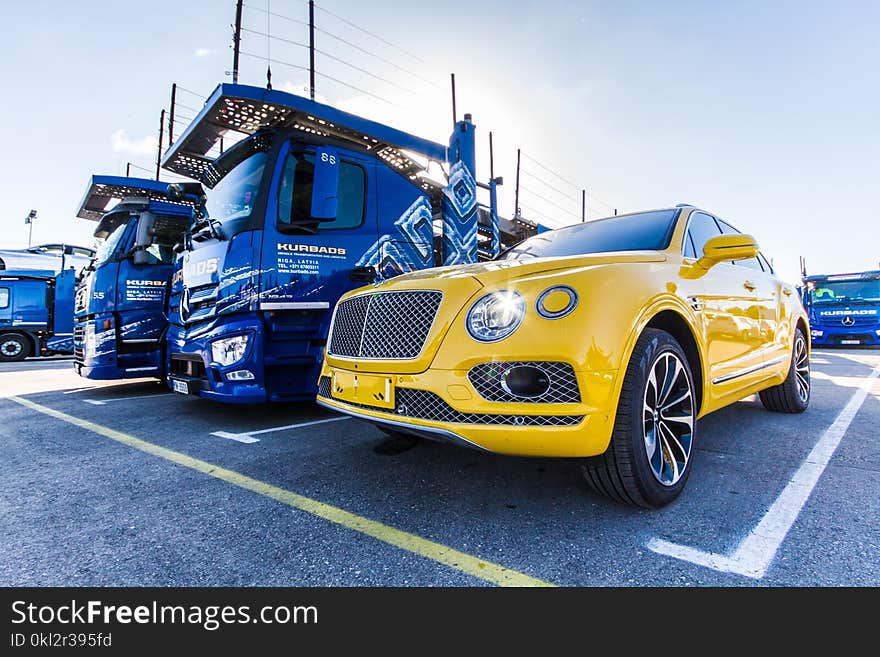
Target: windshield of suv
<point x="108" y="246"/>
<point x="827" y="292"/>
<point x="631" y="232"/>
<point x="235" y="195"/>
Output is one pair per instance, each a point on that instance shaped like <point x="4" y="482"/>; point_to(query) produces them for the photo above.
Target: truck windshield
<point x="235" y="195"/>
<point x="107" y="248"/>
<point x="633" y="232"/>
<point x="828" y="292"/>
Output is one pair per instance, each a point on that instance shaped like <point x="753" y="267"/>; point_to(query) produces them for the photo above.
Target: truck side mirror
<point x="325" y="186"/>
<point x="140" y="257"/>
<point x="143" y="238"/>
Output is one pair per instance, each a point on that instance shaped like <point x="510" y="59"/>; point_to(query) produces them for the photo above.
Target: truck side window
<point x="701" y="228"/>
<point x="4" y="297"/>
<point x="295" y="193"/>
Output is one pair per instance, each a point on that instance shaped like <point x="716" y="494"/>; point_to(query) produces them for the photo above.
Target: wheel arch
<point x="674" y="318"/>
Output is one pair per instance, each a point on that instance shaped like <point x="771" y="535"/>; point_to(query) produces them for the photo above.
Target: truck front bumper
<point x="192" y="370"/>
<point x="844" y="336"/>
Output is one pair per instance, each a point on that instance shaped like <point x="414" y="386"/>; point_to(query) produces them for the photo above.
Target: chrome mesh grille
<point x="486" y="379"/>
<point x="348" y="326"/>
<point x="384" y="325"/>
<point x="425" y="405"/>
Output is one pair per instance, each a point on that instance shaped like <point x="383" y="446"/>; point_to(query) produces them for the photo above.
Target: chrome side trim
<point x="748" y="370"/>
<point x="140" y="369"/>
<point x="431" y="433"/>
<point x="140" y="340"/>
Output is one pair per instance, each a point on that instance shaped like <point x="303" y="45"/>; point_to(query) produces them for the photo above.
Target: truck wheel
<point x="793" y="394"/>
<point x="14" y="346"/>
<point x="648" y="461"/>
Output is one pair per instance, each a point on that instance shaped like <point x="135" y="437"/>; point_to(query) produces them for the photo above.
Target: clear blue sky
<point x="763" y="112"/>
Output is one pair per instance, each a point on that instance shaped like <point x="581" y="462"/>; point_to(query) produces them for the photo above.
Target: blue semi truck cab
<point x="309" y="203"/>
<point x="121" y="302"/>
<point x="36" y="312"/>
<point x="844" y="309"/>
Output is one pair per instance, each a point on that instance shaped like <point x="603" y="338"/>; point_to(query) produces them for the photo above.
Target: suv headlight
<point x="227" y="351"/>
<point x="496" y="315"/>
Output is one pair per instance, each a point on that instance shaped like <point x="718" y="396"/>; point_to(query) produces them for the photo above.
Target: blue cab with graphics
<point x="309" y="203"/>
<point x="844" y="309"/>
<point x="36" y="312"/>
<point x="121" y="301"/>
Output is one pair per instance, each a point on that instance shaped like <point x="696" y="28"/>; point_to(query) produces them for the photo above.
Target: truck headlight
<point x="227" y="351"/>
<point x="496" y="315"/>
<point x="816" y="333"/>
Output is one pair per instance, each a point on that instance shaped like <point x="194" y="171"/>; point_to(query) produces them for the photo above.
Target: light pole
<point x="29" y="220"/>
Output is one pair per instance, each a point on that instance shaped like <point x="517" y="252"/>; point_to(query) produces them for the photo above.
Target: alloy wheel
<point x="668" y="418"/>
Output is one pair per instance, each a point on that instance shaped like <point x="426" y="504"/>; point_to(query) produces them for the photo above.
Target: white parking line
<point x="70" y="392"/>
<point x="248" y="437"/>
<point x="756" y="551"/>
<point x="102" y="402"/>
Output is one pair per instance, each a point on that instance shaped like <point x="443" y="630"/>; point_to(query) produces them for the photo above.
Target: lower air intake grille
<point x="425" y="405"/>
<point x="486" y="378"/>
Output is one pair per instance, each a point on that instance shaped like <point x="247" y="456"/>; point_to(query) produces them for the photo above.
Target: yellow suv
<point x="604" y="340"/>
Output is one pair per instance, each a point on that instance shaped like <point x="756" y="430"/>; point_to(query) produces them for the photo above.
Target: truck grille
<point x="384" y="325"/>
<point x="425" y="405"/>
<point x="78" y="338"/>
<point x="486" y="379"/>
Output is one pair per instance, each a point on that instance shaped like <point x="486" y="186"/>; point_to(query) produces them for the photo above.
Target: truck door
<point x="306" y="262"/>
<point x="141" y="291"/>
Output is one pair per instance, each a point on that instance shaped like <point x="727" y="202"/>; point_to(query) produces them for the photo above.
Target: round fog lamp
<point x="556" y="302"/>
<point x="525" y="381"/>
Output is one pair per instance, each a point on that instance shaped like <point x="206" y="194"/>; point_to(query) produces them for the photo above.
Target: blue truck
<point x="122" y="299"/>
<point x="844" y="309"/>
<point x="36" y="312"/>
<point x="309" y="203"/>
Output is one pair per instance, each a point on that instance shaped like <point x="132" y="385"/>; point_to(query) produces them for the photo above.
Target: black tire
<point x="14" y="347"/>
<point x="793" y="394"/>
<point x="625" y="472"/>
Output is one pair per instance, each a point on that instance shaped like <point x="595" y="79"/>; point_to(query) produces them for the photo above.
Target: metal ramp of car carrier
<point x="105" y="190"/>
<point x="245" y="110"/>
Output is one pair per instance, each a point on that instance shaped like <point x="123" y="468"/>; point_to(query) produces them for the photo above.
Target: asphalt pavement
<point x="108" y="483"/>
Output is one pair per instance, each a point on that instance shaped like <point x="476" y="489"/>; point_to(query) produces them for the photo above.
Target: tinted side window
<point x="4" y="297"/>
<point x="766" y="265"/>
<point x="295" y="194"/>
<point x="701" y="228"/>
<point x="751" y="263"/>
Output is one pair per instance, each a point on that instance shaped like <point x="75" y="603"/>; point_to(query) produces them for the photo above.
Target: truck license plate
<point x="181" y="387"/>
<point x="850" y="342"/>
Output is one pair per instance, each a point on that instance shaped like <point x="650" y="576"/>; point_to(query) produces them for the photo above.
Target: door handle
<point x="751" y="287"/>
<point x="786" y="291"/>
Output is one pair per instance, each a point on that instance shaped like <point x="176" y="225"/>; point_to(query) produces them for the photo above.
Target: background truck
<point x="844" y="309"/>
<point x="47" y="256"/>
<point x="36" y="312"/>
<point x="122" y="299"/>
<point x="311" y="202"/>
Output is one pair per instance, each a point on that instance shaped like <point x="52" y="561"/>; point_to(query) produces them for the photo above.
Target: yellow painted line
<point x="461" y="561"/>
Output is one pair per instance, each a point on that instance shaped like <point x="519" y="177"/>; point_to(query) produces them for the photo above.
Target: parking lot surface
<point x="109" y="483"/>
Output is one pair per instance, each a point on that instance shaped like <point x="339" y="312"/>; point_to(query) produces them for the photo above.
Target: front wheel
<point x="13" y="347"/>
<point x="648" y="461"/>
<point x="793" y="394"/>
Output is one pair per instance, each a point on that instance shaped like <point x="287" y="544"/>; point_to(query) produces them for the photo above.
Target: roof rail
<point x="104" y="190"/>
<point x="244" y="110"/>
